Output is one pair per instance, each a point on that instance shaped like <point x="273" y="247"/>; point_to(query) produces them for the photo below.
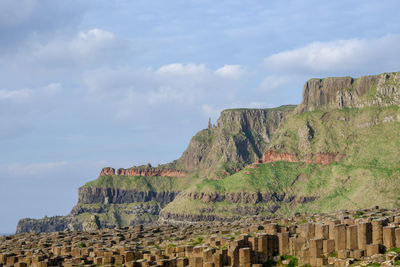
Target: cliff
<point x="319" y="158"/>
<point x="143" y="171"/>
<point x="338" y="150"/>
<point x="239" y="138"/>
<point x="376" y="90"/>
<point x="92" y="195"/>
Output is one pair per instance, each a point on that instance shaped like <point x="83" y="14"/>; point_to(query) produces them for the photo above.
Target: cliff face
<point x="92" y="195"/>
<point x="319" y="158"/>
<point x="143" y="171"/>
<point x="382" y="90"/>
<point x="239" y="138"/>
<point x="48" y="224"/>
<point x="340" y="145"/>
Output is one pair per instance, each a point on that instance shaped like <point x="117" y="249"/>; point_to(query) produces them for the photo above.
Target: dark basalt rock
<point x="91" y="195"/>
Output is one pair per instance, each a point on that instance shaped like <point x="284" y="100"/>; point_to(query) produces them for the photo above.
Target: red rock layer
<point x="320" y="158"/>
<point x="150" y="172"/>
<point x="107" y="171"/>
<point x="142" y="172"/>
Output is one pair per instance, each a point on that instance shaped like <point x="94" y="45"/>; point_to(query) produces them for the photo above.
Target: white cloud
<point x="28" y="94"/>
<point x="340" y="56"/>
<point x="272" y="82"/>
<point x="182" y="69"/>
<point x="86" y="47"/>
<point x="173" y="86"/>
<point x="231" y="71"/>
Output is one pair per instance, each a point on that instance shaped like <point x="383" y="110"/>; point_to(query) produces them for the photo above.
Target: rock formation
<point x="150" y="172"/>
<point x="93" y="195"/>
<point x="319" y="158"/>
<point x="337" y="147"/>
<point x="382" y="90"/>
<point x="239" y="138"/>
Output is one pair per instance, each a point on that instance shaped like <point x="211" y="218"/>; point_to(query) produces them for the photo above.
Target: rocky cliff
<point x="239" y="138"/>
<point x="319" y="158"/>
<point x="338" y="150"/>
<point x="377" y="90"/>
<point x="143" y="171"/>
<point x="92" y="195"/>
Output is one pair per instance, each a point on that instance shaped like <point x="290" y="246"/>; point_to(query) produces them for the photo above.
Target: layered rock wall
<point x="383" y="89"/>
<point x="142" y="172"/>
<point x="48" y="224"/>
<point x="238" y="139"/>
<point x="91" y="195"/>
<point x="319" y="158"/>
<point x="249" y="197"/>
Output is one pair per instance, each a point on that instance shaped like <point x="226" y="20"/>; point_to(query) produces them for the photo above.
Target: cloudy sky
<point x="92" y="83"/>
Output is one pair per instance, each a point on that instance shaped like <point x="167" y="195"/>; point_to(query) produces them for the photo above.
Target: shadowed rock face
<point x="237" y="197"/>
<point x="383" y="89"/>
<point x="239" y="138"/>
<point x="48" y="224"/>
<point x="92" y="195"/>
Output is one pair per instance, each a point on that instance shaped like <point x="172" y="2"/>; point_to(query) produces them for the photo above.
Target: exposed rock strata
<point x="239" y="138"/>
<point x="382" y="90"/>
<point x="107" y="171"/>
<point x="91" y="195"/>
<point x="136" y="171"/>
<point x="237" y="197"/>
<point x="319" y="158"/>
<point x="151" y="172"/>
<point x="48" y="224"/>
<point x="249" y="197"/>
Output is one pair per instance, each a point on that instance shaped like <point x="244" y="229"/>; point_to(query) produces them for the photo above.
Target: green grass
<point x="370" y="168"/>
<point x="82" y="245"/>
<point x="197" y="241"/>
<point x="397" y="250"/>
<point x="293" y="261"/>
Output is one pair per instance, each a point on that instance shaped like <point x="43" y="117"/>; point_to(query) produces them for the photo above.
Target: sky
<point x="86" y="84"/>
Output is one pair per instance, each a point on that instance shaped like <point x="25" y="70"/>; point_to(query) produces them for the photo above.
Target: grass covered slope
<point x="368" y="175"/>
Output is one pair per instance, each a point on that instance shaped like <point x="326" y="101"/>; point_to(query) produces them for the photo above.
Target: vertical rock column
<point x="364" y="235"/>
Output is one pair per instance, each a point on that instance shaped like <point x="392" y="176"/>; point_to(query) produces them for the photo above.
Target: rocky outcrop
<point x="248" y="197"/>
<point x="139" y="171"/>
<point x="107" y="171"/>
<point x="382" y="90"/>
<point x="238" y="139"/>
<point x="140" y="208"/>
<point x="319" y="158"/>
<point x="236" y="197"/>
<point x="179" y="218"/>
<point x="91" y="195"/>
<point x="151" y="172"/>
<point x="48" y="224"/>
